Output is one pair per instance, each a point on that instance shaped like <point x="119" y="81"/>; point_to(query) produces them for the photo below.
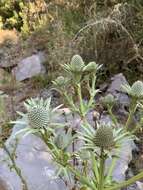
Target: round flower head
<point x="137" y="89"/>
<point x="60" y="82"/>
<point x="38" y="117"/>
<point x="77" y="63"/>
<point x="91" y="67"/>
<point x="108" y="100"/>
<point x="104" y="137"/>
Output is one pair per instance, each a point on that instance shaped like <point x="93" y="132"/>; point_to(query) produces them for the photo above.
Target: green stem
<point x="92" y="91"/>
<point x="80" y="100"/>
<point x="81" y="178"/>
<point x="126" y="183"/>
<point x="112" y="166"/>
<point x="114" y="119"/>
<point x="85" y="163"/>
<point x="70" y="102"/>
<point x="15" y="167"/>
<point x="131" y="113"/>
<point x="101" y="170"/>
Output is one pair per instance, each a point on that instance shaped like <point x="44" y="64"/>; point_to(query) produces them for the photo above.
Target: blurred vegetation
<point x="50" y="26"/>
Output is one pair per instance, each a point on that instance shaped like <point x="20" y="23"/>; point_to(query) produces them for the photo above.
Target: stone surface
<point x="29" y="67"/>
<point x="35" y="164"/>
<point x="116" y="83"/>
<point x="35" y="161"/>
<point x="123" y="100"/>
<point x="125" y="157"/>
<point x="140" y="185"/>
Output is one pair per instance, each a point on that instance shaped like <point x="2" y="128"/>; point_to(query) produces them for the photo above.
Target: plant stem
<point x="101" y="170"/>
<point x="80" y="100"/>
<point x="127" y="183"/>
<point x="112" y="166"/>
<point x="81" y="177"/>
<point x="131" y="113"/>
<point x="92" y="91"/>
<point x="85" y="163"/>
<point x="70" y="102"/>
<point x="16" y="168"/>
<point x="114" y="119"/>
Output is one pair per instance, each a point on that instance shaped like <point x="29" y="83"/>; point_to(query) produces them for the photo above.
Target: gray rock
<point x="125" y="157"/>
<point x="29" y="67"/>
<point x="35" y="163"/>
<point x="139" y="185"/>
<point x="123" y="100"/>
<point x="117" y="81"/>
<point x="125" y="154"/>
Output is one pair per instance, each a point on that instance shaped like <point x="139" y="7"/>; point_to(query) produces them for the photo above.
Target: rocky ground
<point x="32" y="156"/>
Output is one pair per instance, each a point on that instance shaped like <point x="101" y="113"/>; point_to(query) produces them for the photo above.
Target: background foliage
<point x="50" y="26"/>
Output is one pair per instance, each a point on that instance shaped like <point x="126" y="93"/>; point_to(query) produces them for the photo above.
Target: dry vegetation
<point x="110" y="37"/>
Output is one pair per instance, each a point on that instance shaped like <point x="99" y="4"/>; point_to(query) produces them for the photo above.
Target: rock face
<point x="115" y="88"/>
<point x="123" y="100"/>
<point x="29" y="67"/>
<point x="35" y="161"/>
<point x="35" y="164"/>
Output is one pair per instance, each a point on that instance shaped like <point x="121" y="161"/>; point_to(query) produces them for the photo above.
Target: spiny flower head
<point x="91" y="67"/>
<point x="60" y="81"/>
<point x="135" y="91"/>
<point x="75" y="66"/>
<point x="77" y="63"/>
<point x="38" y="117"/>
<point x="104" y="137"/>
<point x="108" y="100"/>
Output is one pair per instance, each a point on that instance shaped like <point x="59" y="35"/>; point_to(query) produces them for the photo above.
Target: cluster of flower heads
<point x="41" y="115"/>
<point x="75" y="70"/>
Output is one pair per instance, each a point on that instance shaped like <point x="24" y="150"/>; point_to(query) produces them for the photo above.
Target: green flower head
<point x="77" y="64"/>
<point x="104" y="137"/>
<point x="108" y="100"/>
<point x="60" y="81"/>
<point x="92" y="67"/>
<point x="135" y="91"/>
<point x="38" y="117"/>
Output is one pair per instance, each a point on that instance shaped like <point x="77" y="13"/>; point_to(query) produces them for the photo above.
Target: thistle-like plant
<point x="40" y="118"/>
<point x="104" y="136"/>
<point x="78" y="75"/>
<point x="75" y="68"/>
<point x="87" y="164"/>
<point x="136" y="93"/>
